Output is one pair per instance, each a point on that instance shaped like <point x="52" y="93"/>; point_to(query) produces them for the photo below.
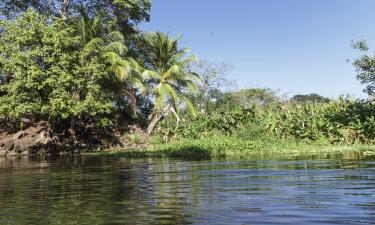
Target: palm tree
<point x="167" y="72"/>
<point x="88" y="27"/>
<point x="124" y="72"/>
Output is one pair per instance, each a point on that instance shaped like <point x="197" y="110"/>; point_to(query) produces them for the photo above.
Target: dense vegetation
<point x="85" y="67"/>
<point x="88" y="72"/>
<point x="283" y="125"/>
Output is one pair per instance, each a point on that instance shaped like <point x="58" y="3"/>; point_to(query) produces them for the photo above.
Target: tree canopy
<point x="310" y="98"/>
<point x="167" y="72"/>
<point x="365" y="67"/>
<point x="249" y="97"/>
<point x="80" y="70"/>
<point x="47" y="78"/>
<point x="123" y="13"/>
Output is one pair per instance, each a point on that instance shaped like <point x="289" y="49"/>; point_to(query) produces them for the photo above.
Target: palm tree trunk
<point x="155" y="118"/>
<point x="133" y="102"/>
<point x="131" y="94"/>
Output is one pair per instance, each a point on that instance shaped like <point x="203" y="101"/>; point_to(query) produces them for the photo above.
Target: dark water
<point x="111" y="190"/>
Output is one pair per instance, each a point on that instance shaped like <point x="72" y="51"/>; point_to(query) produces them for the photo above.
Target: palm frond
<point x="190" y="107"/>
<point x="162" y="92"/>
<point x="116" y="47"/>
<point x="149" y="74"/>
<point x="91" y="48"/>
<point x="173" y="71"/>
<point x="188" y="103"/>
<point x="115" y="36"/>
<point x="189" y="59"/>
<point x="137" y="83"/>
<point x="168" y="64"/>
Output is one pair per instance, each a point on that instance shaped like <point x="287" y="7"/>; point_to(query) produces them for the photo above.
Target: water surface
<point x="113" y="190"/>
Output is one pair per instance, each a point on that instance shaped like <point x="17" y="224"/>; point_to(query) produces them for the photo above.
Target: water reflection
<point x="113" y="190"/>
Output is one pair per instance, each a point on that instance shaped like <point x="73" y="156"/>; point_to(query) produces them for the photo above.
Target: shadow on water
<point x="89" y="189"/>
<point x="197" y="154"/>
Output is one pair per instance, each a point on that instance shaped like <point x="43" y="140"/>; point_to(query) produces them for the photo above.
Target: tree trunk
<point x="64" y="10"/>
<point x="131" y="94"/>
<point x="133" y="102"/>
<point x="157" y="116"/>
<point x="72" y="131"/>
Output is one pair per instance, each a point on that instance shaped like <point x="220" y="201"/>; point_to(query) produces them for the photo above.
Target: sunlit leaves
<point x="167" y="71"/>
<point x="365" y="67"/>
<point x="48" y="77"/>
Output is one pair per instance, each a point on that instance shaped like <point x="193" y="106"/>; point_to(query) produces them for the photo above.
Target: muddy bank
<point x="41" y="139"/>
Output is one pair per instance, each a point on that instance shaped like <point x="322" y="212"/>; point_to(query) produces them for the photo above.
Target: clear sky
<point x="297" y="46"/>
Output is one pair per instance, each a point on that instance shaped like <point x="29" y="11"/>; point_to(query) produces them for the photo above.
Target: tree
<point x="169" y="80"/>
<point x="124" y="72"/>
<point x="365" y="67"/>
<point x="311" y="98"/>
<point x="213" y="80"/>
<point x="48" y="81"/>
<point x="125" y="13"/>
<point x="247" y="98"/>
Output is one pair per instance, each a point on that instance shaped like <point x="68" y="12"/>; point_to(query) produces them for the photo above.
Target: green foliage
<point x="343" y="121"/>
<point x="365" y="67"/>
<point x="339" y="122"/>
<point x="133" y="138"/>
<point x="249" y="97"/>
<point x="63" y="60"/>
<point x="168" y="80"/>
<point x="224" y="122"/>
<point x="311" y="98"/>
<point x="79" y="70"/>
<point x="123" y="13"/>
<point x="47" y="79"/>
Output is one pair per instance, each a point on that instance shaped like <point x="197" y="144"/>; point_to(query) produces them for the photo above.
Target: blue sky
<point x="296" y="46"/>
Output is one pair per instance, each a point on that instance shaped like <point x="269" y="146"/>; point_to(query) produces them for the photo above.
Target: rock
<point x="29" y="141"/>
<point x="25" y="153"/>
<point x="12" y="153"/>
<point x="76" y="151"/>
<point x="19" y="135"/>
<point x="25" y="120"/>
<point x="8" y="145"/>
<point x="42" y="123"/>
<point x="24" y="144"/>
<point x="43" y="138"/>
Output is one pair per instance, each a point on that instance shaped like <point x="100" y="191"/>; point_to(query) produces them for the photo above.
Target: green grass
<point x="231" y="147"/>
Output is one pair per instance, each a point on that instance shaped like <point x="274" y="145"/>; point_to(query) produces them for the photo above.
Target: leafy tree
<point x="247" y="98"/>
<point x="124" y="72"/>
<point x="47" y="79"/>
<point x="213" y="80"/>
<point x="125" y="13"/>
<point x="365" y="67"/>
<point x="311" y="98"/>
<point x="169" y="79"/>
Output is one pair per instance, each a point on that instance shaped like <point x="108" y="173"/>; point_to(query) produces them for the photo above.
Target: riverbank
<point x="229" y="147"/>
<point x="209" y="146"/>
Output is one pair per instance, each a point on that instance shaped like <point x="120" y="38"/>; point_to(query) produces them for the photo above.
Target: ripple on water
<point x="111" y="190"/>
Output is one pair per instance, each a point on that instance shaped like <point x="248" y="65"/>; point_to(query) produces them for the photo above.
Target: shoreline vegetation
<point x="75" y="78"/>
<point x="195" y="150"/>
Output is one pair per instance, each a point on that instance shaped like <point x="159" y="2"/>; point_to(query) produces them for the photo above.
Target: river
<point x="114" y="190"/>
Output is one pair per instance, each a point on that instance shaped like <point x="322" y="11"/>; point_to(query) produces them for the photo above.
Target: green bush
<point x="343" y="121"/>
<point x="47" y="79"/>
<point x="222" y="122"/>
